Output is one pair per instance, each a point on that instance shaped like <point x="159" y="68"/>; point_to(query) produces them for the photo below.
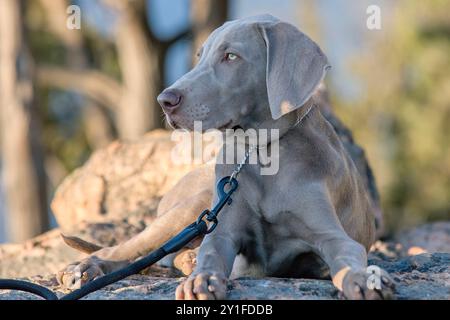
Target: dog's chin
<point x="206" y="127"/>
<point x="178" y="124"/>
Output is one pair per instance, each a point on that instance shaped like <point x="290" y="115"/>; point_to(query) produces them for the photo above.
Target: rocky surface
<point x="433" y="237"/>
<point x="422" y="276"/>
<point x="141" y="287"/>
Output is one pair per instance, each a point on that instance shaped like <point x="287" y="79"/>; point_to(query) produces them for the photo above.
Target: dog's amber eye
<point x="230" y="56"/>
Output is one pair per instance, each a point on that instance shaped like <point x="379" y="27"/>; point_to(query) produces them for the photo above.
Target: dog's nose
<point x="170" y="99"/>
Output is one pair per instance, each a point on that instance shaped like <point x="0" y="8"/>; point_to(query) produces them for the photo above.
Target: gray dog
<point x="315" y="218"/>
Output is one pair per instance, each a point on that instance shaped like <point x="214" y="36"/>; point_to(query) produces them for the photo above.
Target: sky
<point x="342" y="24"/>
<point x="342" y="27"/>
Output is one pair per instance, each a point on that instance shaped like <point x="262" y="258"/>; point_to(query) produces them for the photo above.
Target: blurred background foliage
<point x="402" y="116"/>
<point x="93" y="85"/>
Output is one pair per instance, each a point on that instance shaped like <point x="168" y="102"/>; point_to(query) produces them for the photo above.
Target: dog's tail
<point x="80" y="244"/>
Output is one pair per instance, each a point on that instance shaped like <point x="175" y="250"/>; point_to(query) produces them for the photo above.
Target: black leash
<point x="200" y="227"/>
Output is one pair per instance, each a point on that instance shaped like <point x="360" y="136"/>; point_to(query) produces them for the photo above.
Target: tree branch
<point x="92" y="84"/>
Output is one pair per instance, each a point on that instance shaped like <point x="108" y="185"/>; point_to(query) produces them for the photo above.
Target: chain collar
<point x="253" y="147"/>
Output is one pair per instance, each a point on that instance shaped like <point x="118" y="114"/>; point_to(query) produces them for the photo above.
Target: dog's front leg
<point x="109" y="259"/>
<point x="214" y="264"/>
<point x="215" y="259"/>
<point x="346" y="258"/>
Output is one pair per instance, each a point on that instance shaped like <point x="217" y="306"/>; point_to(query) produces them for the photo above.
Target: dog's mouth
<point x="225" y="126"/>
<point x="229" y="125"/>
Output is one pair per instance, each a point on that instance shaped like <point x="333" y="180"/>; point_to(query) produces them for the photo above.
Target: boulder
<point x="127" y="178"/>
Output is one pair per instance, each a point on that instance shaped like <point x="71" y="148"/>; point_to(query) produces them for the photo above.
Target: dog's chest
<point x="272" y="223"/>
<point x="272" y="236"/>
<point x="269" y="196"/>
<point x="272" y="245"/>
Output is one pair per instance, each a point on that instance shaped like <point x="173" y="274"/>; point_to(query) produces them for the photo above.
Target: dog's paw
<point x="202" y="286"/>
<point x="186" y="261"/>
<point x="75" y="275"/>
<point x="362" y="285"/>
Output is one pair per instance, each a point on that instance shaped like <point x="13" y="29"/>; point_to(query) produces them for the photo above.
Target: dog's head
<point x="250" y="73"/>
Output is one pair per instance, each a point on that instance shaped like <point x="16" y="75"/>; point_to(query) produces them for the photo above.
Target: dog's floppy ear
<point x="295" y="67"/>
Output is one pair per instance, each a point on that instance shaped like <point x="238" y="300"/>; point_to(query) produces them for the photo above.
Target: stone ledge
<point x="425" y="276"/>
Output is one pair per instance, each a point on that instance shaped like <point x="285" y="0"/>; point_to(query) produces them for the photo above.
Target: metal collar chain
<point x="252" y="147"/>
<point x="241" y="164"/>
<point x="300" y="119"/>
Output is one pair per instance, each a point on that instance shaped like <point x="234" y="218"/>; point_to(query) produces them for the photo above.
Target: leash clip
<point x="224" y="198"/>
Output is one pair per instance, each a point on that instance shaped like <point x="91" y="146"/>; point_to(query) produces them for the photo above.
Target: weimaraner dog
<point x="316" y="217"/>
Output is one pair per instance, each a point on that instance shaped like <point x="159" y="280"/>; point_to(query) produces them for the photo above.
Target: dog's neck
<point x="289" y="121"/>
<point x="284" y="125"/>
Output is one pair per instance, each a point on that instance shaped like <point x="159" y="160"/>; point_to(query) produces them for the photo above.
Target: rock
<point x="140" y="287"/>
<point x="432" y="237"/>
<point x="124" y="179"/>
<point x="47" y="253"/>
<point x="428" y="279"/>
<point x="423" y="276"/>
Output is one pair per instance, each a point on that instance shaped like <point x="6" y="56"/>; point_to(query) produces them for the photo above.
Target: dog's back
<point x="356" y="153"/>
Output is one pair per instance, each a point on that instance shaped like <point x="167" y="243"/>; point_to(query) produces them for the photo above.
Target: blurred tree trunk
<point x="22" y="157"/>
<point x="206" y="15"/>
<point x="141" y="60"/>
<point x="72" y="40"/>
<point x="142" y="56"/>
